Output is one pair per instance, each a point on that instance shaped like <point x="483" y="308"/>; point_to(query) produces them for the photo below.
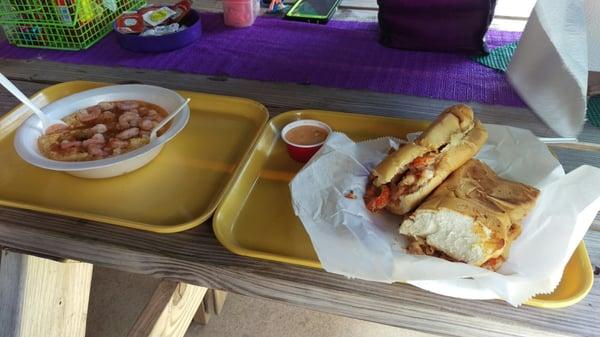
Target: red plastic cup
<point x="303" y="153"/>
<point x="240" y="13"/>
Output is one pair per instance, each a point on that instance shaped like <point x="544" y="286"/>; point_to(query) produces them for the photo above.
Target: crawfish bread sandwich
<point x="405" y="177"/>
<point x="472" y="217"/>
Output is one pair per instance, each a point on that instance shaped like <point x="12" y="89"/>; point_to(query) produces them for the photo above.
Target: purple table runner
<point x="341" y="54"/>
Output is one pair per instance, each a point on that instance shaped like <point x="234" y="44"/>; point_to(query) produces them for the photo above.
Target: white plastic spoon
<point x="46" y="121"/>
<point x="167" y="119"/>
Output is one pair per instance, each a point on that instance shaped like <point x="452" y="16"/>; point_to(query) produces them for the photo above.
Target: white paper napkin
<point x="549" y="70"/>
<point x="354" y="242"/>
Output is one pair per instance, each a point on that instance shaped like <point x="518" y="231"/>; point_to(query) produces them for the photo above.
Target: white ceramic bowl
<point x="26" y="137"/>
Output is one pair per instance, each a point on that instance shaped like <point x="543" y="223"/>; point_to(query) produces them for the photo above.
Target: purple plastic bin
<point x="158" y="44"/>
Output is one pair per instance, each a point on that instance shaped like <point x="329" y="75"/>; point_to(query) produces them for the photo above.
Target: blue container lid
<point x="164" y="43"/>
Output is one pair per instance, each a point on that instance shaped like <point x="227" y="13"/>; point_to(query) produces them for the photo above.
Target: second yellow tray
<point x="178" y="190"/>
<point x="256" y="218"/>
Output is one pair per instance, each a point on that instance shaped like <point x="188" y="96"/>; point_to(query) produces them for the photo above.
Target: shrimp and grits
<point x="101" y="131"/>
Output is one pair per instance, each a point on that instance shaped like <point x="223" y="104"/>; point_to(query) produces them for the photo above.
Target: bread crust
<point x="452" y="157"/>
<point x="397" y="162"/>
<point x="477" y="181"/>
<point x="453" y="120"/>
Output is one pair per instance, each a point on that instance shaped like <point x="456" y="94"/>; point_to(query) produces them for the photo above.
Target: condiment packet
<point x="148" y="8"/>
<point x="181" y="8"/>
<point x="158" y="16"/>
<point x="130" y="23"/>
<point x="162" y="30"/>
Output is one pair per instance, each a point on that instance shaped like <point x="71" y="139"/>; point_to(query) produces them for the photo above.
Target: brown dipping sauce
<point x="306" y="135"/>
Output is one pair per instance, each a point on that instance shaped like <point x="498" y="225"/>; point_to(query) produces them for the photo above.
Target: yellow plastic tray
<point x="256" y="218"/>
<point x="178" y="190"/>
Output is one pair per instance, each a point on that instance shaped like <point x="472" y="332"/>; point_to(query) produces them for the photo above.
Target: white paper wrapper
<point x="354" y="242"/>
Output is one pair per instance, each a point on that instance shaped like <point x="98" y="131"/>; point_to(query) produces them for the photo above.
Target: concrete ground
<point x="117" y="298"/>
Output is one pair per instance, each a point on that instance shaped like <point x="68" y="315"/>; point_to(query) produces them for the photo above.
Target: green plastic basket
<point x="60" y="24"/>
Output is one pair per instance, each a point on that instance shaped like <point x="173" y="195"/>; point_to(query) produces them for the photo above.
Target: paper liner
<point x="351" y="241"/>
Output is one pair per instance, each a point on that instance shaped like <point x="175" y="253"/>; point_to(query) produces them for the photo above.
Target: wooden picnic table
<point x="197" y="258"/>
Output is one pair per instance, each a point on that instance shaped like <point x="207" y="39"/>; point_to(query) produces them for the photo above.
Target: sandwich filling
<point x="417" y="174"/>
<point x="411" y="177"/>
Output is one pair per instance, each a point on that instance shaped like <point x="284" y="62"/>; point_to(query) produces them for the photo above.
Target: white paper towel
<point x="592" y="19"/>
<point x="549" y="70"/>
<point x="354" y="242"/>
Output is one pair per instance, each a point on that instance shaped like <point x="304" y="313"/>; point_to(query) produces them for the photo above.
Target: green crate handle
<point x="9" y="13"/>
<point x="3" y="13"/>
<point x="5" y="16"/>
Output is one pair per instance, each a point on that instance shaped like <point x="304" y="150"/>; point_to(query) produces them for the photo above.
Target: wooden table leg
<point x="42" y="297"/>
<point x="220" y="297"/>
<point x="169" y="311"/>
<point x="212" y="304"/>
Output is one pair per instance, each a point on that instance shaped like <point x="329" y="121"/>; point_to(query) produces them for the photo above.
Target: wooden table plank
<point x="196" y="257"/>
<point x="366" y="10"/>
<point x="363" y="4"/>
<point x="280" y="96"/>
<point x="514" y="8"/>
<point x="504" y="8"/>
<point x="354" y="10"/>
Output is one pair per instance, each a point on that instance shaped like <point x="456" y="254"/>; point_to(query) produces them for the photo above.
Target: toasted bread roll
<point x="463" y="230"/>
<point x="477" y="181"/>
<point x="397" y="162"/>
<point x="407" y="176"/>
<point x="453" y="121"/>
<point x="472" y="217"/>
